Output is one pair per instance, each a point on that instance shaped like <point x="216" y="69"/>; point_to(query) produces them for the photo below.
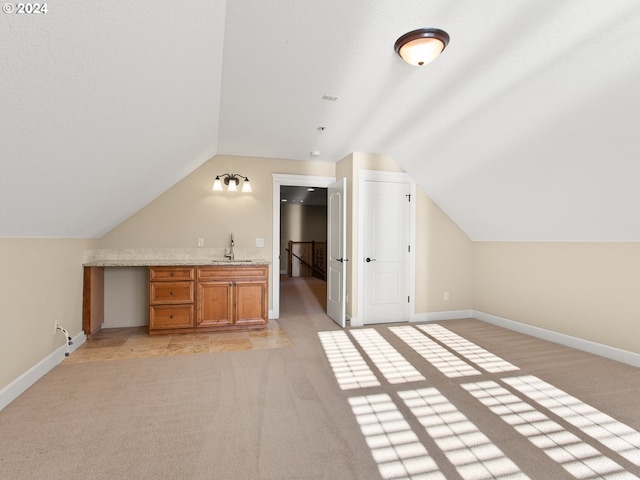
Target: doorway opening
<point x="283" y="185"/>
<point x="303" y="245"/>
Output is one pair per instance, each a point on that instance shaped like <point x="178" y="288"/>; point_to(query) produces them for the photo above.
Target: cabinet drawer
<point x="171" y="274"/>
<point x="170" y="292"/>
<point x="232" y="272"/>
<point x="170" y="316"/>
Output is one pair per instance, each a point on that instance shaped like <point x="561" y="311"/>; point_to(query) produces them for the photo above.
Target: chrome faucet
<point x="230" y="255"/>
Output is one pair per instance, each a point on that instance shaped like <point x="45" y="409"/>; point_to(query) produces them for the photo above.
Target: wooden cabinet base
<point x="226" y="328"/>
<point x="208" y="298"/>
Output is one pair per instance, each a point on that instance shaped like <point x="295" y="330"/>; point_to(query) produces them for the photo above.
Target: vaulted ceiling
<point x="527" y="128"/>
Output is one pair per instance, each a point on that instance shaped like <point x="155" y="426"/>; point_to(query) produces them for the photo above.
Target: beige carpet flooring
<point x="538" y="410"/>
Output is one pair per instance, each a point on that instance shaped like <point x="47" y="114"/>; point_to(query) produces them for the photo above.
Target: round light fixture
<point x="421" y="46"/>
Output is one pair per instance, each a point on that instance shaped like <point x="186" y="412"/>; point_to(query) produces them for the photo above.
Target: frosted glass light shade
<point x="422" y="46"/>
<point x="232" y="181"/>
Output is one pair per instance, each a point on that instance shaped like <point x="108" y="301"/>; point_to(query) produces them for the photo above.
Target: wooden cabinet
<point x="171" y="299"/>
<point x="207" y="298"/>
<point x="232" y="295"/>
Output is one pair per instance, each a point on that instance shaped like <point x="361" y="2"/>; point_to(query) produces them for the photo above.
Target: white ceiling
<point x="525" y="129"/>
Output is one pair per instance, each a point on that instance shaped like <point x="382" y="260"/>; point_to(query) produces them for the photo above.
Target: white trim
<point x="386" y="177"/>
<point x="16" y="388"/>
<point x="295" y="181"/>
<point x="439" y="316"/>
<point x="606" y="351"/>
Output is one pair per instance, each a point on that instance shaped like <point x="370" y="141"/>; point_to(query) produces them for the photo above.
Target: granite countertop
<point x="147" y="257"/>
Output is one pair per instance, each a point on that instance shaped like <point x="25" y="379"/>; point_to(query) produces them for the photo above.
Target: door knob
<point x="370" y="259"/>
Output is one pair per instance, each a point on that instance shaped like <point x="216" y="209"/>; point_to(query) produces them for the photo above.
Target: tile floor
<point x="123" y="343"/>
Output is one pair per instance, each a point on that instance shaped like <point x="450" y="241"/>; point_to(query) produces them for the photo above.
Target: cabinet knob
<point x="172" y="274"/>
<point x="172" y="292"/>
<point x="170" y="316"/>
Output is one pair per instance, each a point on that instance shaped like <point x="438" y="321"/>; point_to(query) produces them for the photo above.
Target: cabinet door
<point x="215" y="304"/>
<point x="251" y="302"/>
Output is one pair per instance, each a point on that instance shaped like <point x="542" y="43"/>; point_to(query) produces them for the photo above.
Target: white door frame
<point x="293" y="181"/>
<point x="392" y="177"/>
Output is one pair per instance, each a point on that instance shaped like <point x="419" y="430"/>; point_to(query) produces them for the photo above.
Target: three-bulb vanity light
<point x="231" y="180"/>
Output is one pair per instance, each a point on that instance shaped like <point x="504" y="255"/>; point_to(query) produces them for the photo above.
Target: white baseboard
<point x="613" y="353"/>
<point x="438" y="316"/>
<point x="16" y="388"/>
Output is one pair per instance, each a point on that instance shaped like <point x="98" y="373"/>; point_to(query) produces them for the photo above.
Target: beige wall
<point x="190" y="210"/>
<point x="443" y="251"/>
<point x="587" y="290"/>
<point x="41" y="283"/>
<point x="443" y="260"/>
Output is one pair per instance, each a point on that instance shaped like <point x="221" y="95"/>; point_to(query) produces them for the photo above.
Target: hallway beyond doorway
<point x="302" y="295"/>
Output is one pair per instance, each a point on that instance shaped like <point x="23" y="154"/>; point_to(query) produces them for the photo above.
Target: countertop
<point x="148" y="257"/>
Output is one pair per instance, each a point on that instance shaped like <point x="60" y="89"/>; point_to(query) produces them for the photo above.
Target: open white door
<point x="336" y="254"/>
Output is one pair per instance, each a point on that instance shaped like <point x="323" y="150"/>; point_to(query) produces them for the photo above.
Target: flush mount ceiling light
<point x="421" y="46"/>
<point x="231" y="180"/>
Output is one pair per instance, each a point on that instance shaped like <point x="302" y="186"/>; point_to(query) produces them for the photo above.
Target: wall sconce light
<point x="421" y="46"/>
<point x="231" y="180"/>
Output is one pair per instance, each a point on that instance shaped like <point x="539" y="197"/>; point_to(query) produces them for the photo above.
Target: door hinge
<point x="409" y="248"/>
<point x="408" y="299"/>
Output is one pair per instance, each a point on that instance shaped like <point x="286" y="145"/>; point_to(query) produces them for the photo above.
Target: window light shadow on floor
<point x="393" y="366"/>
<point x="472" y="352"/>
<point x="612" y="434"/>
<point x="349" y="368"/>
<point x="394" y="446"/>
<point x="470" y="451"/>
<point x="371" y="360"/>
<point x="577" y="457"/>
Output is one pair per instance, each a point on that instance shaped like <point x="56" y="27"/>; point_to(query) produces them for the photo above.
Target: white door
<point x="336" y="254"/>
<point x="386" y="252"/>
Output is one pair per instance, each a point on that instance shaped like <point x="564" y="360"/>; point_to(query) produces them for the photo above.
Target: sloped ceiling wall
<point x="525" y="129"/>
<point x="104" y="107"/>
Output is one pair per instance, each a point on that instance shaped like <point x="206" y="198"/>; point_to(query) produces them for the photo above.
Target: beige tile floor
<point x="122" y="343"/>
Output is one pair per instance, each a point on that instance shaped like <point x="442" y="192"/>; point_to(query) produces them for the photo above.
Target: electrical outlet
<point x="446" y="296"/>
<point x="201" y="242"/>
<point x="259" y="242"/>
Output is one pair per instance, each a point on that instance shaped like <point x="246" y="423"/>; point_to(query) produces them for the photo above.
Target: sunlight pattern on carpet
<point x="472" y="352"/>
<point x="613" y="434"/>
<point x="394" y="446"/>
<point x="385" y="357"/>
<point x="577" y="457"/>
<point x="441" y="358"/>
<point x="467" y="448"/>
<point x="349" y="368"/>
<point x="363" y="358"/>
